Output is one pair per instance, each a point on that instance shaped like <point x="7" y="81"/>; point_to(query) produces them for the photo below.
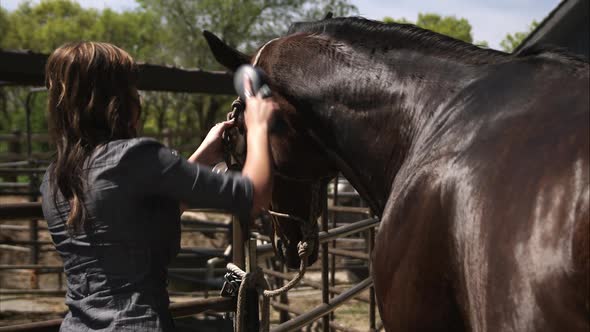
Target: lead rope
<point x="256" y="278"/>
<point x="304" y="249"/>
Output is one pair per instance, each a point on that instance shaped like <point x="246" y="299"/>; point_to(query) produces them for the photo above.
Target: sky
<point x="491" y="19"/>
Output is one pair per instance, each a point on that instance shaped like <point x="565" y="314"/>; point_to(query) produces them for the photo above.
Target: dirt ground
<point x="18" y="309"/>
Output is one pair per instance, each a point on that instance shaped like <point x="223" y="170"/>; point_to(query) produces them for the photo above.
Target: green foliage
<point x="45" y="26"/>
<point x="242" y="24"/>
<point x="167" y="32"/>
<point x="390" y="20"/>
<point x="511" y="42"/>
<point x="49" y="24"/>
<point x="448" y="25"/>
<point x="452" y="26"/>
<point x="3" y="23"/>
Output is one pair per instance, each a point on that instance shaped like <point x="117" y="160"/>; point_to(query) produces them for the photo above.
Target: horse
<point x="475" y="160"/>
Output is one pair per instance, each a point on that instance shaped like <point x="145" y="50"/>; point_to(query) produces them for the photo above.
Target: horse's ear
<point x="229" y="57"/>
<point x="328" y="16"/>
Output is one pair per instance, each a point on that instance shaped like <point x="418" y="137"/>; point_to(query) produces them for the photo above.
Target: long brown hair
<point x="92" y="99"/>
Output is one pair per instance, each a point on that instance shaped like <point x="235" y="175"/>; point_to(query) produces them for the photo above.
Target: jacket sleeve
<point x="160" y="171"/>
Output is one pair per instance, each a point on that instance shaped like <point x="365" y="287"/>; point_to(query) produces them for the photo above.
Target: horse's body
<point x="476" y="161"/>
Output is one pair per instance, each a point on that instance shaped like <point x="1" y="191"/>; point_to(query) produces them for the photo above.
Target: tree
<point x="3" y="23"/>
<point x="452" y="26"/>
<point x="161" y="32"/>
<point x="242" y="24"/>
<point x="45" y="26"/>
<point x="512" y="41"/>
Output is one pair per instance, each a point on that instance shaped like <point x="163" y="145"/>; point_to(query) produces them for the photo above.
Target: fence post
<point x="34" y="226"/>
<point x="372" y="306"/>
<point x="14" y="147"/>
<point x="241" y="252"/>
<point x="252" y="317"/>
<point x="333" y="258"/>
<point x="325" y="257"/>
<point x="283" y="298"/>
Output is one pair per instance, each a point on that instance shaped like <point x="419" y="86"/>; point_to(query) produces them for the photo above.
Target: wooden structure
<point x="27" y="68"/>
<point x="567" y="26"/>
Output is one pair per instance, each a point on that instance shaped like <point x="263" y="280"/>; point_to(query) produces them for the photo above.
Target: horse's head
<point x="301" y="167"/>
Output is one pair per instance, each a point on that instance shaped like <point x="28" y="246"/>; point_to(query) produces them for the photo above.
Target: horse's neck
<point x="372" y="137"/>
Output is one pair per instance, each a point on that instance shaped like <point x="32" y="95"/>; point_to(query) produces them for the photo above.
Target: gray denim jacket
<point x="116" y="267"/>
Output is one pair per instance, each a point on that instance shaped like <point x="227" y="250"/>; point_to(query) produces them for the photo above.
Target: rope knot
<point x="304" y="249"/>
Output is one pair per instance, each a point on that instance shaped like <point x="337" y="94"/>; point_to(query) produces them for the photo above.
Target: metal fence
<point x="247" y="253"/>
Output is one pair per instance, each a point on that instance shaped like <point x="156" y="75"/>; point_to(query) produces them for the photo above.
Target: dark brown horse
<point x="476" y="161"/>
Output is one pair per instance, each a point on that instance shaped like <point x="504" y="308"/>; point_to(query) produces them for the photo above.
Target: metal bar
<point x="13" y="185"/>
<point x="237" y="244"/>
<point x="27" y="242"/>
<point x="17" y="193"/>
<point x="27" y="210"/>
<point x="346" y="253"/>
<point x="43" y="326"/>
<point x="59" y="268"/>
<point x="204" y="230"/>
<point x="372" y="306"/>
<point x="189" y="308"/>
<point x="356" y="227"/>
<point x="31" y="267"/>
<point x="209" y="211"/>
<point x="178" y="310"/>
<point x="14" y="248"/>
<point x="333" y="325"/>
<point x="325" y="258"/>
<point x="188" y="219"/>
<point x="18" y="228"/>
<point x="349" y="209"/>
<point x="14" y="163"/>
<point x="32" y="291"/>
<point x="32" y="210"/>
<point x="23" y="171"/>
<point x="346" y="194"/>
<point x="323" y="309"/>
<point x="313" y="284"/>
<point x="333" y="215"/>
<point x="346" y="230"/>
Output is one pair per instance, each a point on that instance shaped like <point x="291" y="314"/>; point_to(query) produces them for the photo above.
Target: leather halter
<point x="234" y="143"/>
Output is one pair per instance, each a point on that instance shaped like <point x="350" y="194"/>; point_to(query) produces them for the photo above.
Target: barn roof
<point x="566" y="26"/>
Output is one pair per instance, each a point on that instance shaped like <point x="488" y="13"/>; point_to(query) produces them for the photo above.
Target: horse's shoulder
<point x="417" y="184"/>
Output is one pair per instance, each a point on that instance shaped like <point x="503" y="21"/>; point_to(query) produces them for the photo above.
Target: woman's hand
<point x="258" y="165"/>
<point x="210" y="151"/>
<point x="259" y="111"/>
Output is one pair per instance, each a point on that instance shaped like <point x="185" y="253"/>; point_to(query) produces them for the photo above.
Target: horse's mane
<point x="555" y="53"/>
<point x="396" y="36"/>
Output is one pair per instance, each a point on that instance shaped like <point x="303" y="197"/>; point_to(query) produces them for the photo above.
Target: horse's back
<point x="520" y="189"/>
<point x="495" y="205"/>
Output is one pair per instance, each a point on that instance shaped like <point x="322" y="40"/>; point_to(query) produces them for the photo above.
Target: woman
<point x="112" y="200"/>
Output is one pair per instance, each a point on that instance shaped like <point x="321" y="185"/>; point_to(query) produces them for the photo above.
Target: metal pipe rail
<point x="312" y="284"/>
<point x="21" y="171"/>
<point x="323" y="309"/>
<point x="266" y="250"/>
<point x="178" y="310"/>
<point x="60" y="268"/>
<point x="32" y="210"/>
<point x="17" y="211"/>
<point x="283" y="307"/>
